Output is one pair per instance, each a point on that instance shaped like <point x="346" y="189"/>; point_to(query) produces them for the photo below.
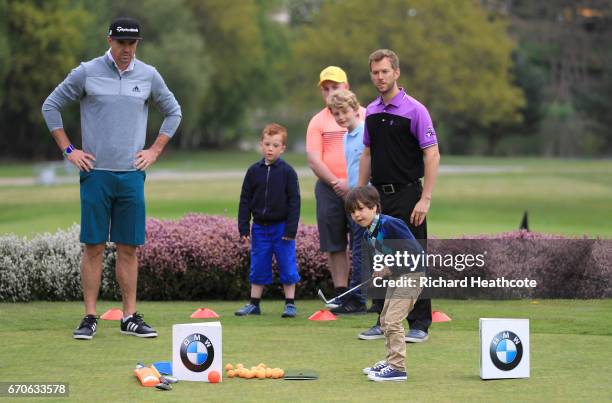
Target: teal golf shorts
<point x="112" y="205"/>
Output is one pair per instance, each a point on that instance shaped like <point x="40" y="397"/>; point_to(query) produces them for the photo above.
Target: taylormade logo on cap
<point x="124" y="28"/>
<point x="121" y="29"/>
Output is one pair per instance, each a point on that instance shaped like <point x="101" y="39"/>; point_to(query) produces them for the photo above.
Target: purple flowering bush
<point x="563" y="267"/>
<point x="202" y="257"/>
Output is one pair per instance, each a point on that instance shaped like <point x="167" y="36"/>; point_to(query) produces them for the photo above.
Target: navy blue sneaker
<point x="87" y="328"/>
<point x="416" y="336"/>
<point x="375" y="332"/>
<point x="136" y="326"/>
<point x="375" y="368"/>
<point x="388" y="373"/>
<point x="248" y="309"/>
<point x="290" y="311"/>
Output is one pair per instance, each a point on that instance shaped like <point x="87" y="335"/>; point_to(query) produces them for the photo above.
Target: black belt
<point x="391" y="188"/>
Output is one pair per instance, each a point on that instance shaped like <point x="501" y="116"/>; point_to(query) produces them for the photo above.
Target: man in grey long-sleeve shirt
<point x="114" y="91"/>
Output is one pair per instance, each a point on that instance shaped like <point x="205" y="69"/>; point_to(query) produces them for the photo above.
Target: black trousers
<point x="400" y="205"/>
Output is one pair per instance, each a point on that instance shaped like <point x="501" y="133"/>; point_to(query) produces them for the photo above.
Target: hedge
<point x="201" y="257"/>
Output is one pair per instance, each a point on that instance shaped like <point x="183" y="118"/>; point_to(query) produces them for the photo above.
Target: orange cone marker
<point x="322" y="314"/>
<point x="439" y="316"/>
<point x="204" y="313"/>
<point x="112" y="314"/>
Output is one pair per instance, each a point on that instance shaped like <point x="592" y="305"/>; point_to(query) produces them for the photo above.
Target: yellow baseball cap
<point x="333" y="73"/>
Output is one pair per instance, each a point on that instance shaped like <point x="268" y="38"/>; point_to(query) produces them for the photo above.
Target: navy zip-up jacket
<point x="389" y="235"/>
<point x="270" y="194"/>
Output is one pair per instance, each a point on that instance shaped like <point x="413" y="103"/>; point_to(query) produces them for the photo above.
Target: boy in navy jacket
<point x="271" y="195"/>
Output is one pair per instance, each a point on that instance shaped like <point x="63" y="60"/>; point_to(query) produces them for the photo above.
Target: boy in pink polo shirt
<point x="325" y="149"/>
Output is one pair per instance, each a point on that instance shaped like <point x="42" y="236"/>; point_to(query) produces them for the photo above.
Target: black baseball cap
<point x="124" y="28"/>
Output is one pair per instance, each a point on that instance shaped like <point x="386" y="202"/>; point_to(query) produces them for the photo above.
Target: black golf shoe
<point x="136" y="326"/>
<point x="350" y="307"/>
<point x="87" y="328"/>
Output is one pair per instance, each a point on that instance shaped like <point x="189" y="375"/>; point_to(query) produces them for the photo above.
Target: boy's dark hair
<point x="366" y="195"/>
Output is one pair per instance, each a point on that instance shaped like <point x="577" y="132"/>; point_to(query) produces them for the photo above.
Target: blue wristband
<point x="68" y="150"/>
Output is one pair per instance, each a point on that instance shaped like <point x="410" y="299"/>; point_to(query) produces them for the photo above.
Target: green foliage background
<point x="479" y="66"/>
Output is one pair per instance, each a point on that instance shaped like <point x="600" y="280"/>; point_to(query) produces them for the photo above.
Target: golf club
<point x="332" y="303"/>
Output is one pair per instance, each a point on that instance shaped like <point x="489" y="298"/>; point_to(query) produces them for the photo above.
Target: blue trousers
<point x="267" y="240"/>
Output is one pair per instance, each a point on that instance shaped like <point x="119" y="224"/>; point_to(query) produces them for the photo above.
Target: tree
<point x="595" y="103"/>
<point x="563" y="40"/>
<point x="453" y="57"/>
<point x="303" y="11"/>
<point x="43" y="38"/>
<point x="242" y="69"/>
<point x="4" y="45"/>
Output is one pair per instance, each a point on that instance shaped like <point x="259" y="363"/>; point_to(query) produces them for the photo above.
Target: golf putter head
<point x="322" y="296"/>
<point x="328" y="303"/>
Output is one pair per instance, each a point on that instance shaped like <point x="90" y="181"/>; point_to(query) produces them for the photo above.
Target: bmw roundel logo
<point x="197" y="352"/>
<point x="506" y="350"/>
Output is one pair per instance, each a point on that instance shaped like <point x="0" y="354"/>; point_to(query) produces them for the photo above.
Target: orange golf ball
<point x="231" y="373"/>
<point x="229" y="367"/>
<point x="214" y="377"/>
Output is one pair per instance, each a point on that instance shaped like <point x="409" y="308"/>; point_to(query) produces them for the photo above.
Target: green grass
<point x="570" y="197"/>
<point x="571" y="359"/>
<point x="220" y="160"/>
<point x="171" y="160"/>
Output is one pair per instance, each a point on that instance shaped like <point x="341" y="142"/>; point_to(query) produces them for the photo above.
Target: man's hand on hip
<point x="81" y="160"/>
<point x="145" y="159"/>
<point x="420" y="212"/>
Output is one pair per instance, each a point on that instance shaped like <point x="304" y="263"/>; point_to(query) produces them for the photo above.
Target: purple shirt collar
<point x="396" y="100"/>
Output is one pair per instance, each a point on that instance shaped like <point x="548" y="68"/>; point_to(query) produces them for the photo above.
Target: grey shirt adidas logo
<point x="114" y="109"/>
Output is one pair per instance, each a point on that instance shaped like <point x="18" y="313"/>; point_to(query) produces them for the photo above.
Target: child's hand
<point x="245" y="238"/>
<point x="386" y="272"/>
<point x="286" y="238"/>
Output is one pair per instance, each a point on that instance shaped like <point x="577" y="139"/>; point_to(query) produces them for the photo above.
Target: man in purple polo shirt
<point x="400" y="148"/>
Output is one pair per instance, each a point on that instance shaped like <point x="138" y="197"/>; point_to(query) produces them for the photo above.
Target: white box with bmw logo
<point x="504" y="348"/>
<point x="196" y="350"/>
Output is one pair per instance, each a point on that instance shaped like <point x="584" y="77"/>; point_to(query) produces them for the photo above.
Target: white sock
<point x="125" y="318"/>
